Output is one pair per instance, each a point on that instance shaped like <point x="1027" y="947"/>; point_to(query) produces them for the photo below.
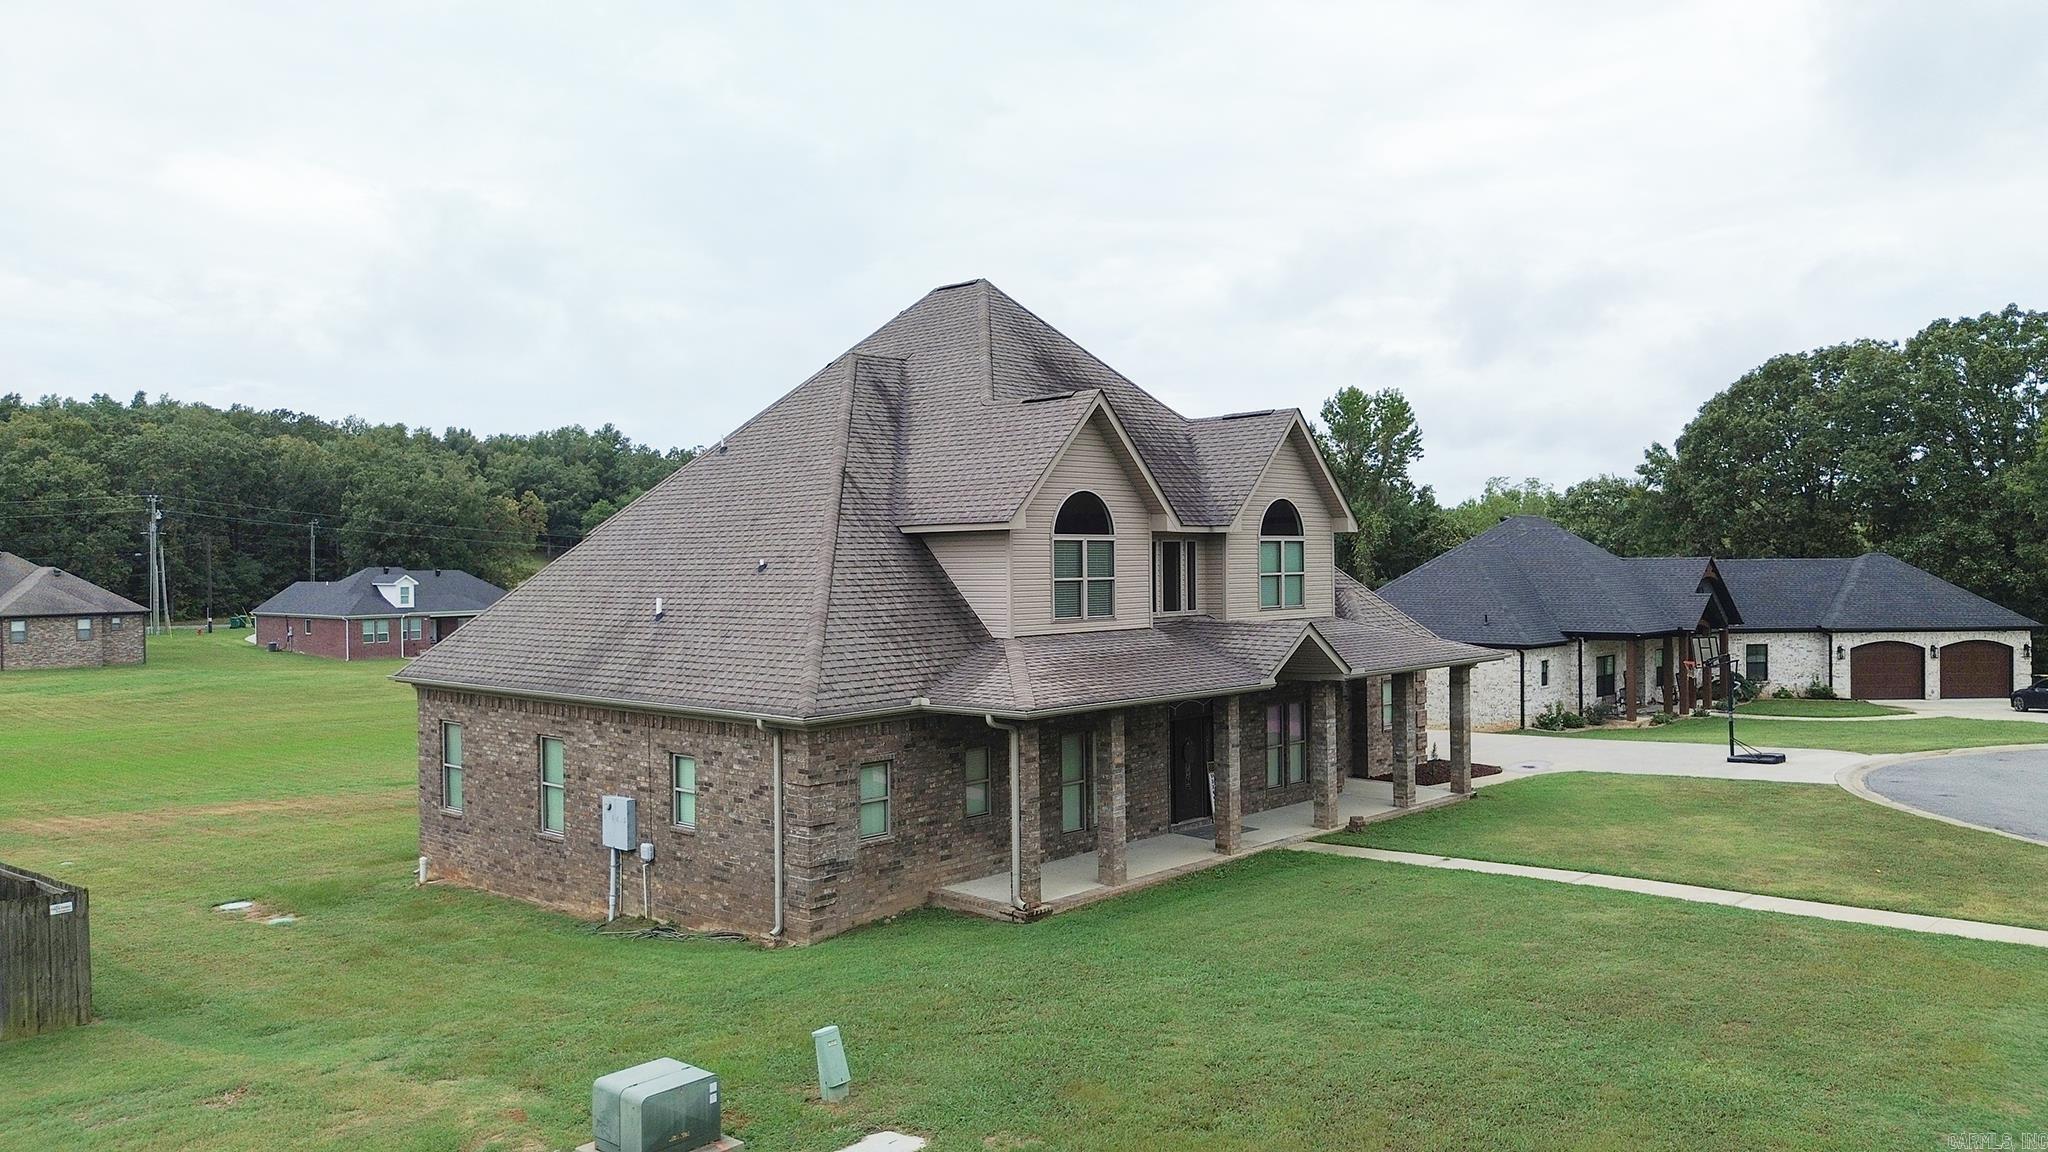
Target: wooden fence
<point x="45" y="957"/>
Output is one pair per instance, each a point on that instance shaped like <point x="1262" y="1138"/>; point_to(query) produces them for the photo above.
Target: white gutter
<point x="1016" y="813"/>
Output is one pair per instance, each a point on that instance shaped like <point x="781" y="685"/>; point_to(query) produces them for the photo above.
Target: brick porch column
<point x="1461" y="730"/>
<point x="1322" y="762"/>
<point x="1112" y="813"/>
<point x="1229" y="808"/>
<point x="1404" y="740"/>
<point x="1029" y="815"/>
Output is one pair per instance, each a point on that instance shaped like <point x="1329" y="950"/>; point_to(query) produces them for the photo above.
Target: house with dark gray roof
<point x="50" y="618"/>
<point x="968" y="618"/>
<point x="374" y="614"/>
<point x="1582" y="625"/>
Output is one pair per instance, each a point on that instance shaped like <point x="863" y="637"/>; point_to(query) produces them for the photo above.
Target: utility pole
<point x="312" y="530"/>
<point x="209" y="578"/>
<point x="155" y="605"/>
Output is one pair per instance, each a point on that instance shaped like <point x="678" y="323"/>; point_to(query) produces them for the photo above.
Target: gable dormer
<point x="1279" y="559"/>
<point x="401" y="592"/>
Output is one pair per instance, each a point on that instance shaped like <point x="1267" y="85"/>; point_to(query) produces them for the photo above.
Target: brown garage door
<point x="1888" y="670"/>
<point x="1976" y="670"/>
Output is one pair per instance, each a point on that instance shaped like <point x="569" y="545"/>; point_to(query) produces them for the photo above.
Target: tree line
<point x="1928" y="449"/>
<point x="253" y="500"/>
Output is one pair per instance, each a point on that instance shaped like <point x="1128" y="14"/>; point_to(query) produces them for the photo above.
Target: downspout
<point x="1016" y="813"/>
<point x="1828" y="654"/>
<point x="1581" y="678"/>
<point x="775" y="817"/>
<point x="1522" y="682"/>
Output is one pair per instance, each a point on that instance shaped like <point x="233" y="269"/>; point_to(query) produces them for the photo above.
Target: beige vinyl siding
<point x="1090" y="462"/>
<point x="1290" y="476"/>
<point x="978" y="563"/>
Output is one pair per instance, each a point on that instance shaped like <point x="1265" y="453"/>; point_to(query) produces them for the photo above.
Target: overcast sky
<point x="1557" y="234"/>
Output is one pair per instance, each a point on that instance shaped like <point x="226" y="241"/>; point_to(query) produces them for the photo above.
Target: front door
<point x="1188" y="761"/>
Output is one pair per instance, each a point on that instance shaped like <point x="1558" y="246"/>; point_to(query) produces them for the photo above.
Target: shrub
<point x="1819" y="691"/>
<point x="1551" y="719"/>
<point x="1574" y="720"/>
<point x="1599" y="712"/>
<point x="1781" y="693"/>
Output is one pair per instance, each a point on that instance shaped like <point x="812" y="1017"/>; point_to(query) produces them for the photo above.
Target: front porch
<point x="1092" y="792"/>
<point x="1073" y="881"/>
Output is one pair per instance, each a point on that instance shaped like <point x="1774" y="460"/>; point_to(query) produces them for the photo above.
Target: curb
<point x="1851" y="781"/>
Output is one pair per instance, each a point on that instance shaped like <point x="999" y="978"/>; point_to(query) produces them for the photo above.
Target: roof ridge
<point x="1841" y="597"/>
<point x="828" y="546"/>
<point x="32" y="580"/>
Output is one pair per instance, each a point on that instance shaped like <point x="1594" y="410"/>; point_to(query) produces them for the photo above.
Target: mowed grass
<point x="1818" y="709"/>
<point x="1871" y="737"/>
<point x="1809" y="841"/>
<point x="1283" y="1001"/>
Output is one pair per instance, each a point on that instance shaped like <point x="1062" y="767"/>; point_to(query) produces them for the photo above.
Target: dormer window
<point x="1283" y="561"/>
<point x="1083" y="560"/>
<point x="405" y="595"/>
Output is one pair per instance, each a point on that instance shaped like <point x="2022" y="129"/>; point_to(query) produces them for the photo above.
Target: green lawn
<point x="1871" y="737"/>
<point x="1808" y="841"/>
<point x="1284" y="1001"/>
<point x="1827" y="709"/>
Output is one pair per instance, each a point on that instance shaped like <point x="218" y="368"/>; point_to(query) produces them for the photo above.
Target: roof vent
<point x="657" y="608"/>
<point x="437" y="571"/>
<point x="760" y="566"/>
<point x="387" y="569"/>
<point x="721" y="447"/>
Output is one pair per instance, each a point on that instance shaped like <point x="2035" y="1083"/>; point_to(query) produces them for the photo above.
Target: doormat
<point x="1204" y="829"/>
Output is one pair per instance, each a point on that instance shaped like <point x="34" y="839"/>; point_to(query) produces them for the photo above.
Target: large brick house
<point x="50" y="618"/>
<point x="965" y="618"/>
<point x="1582" y="625"/>
<point x="374" y="614"/>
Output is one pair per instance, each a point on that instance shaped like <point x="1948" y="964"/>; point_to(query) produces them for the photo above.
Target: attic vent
<point x="657" y="608"/>
<point x="1047" y="396"/>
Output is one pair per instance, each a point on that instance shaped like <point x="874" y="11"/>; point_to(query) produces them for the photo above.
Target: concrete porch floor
<point x="1070" y="881"/>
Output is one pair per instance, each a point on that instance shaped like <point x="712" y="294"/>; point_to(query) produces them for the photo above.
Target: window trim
<point x="1281" y="573"/>
<point x="1189" y="549"/>
<point x="404" y="595"/>
<point x="1750" y="660"/>
<point x="1088" y="545"/>
<point x="114" y="623"/>
<point x="1386" y="703"/>
<point x="17" y="631"/>
<point x="676" y="791"/>
<point x="1606" y="668"/>
<point x="84" y="628"/>
<point x="886" y="800"/>
<point x="967" y="782"/>
<point x="541" y="769"/>
<point x="446" y="727"/>
<point x="1543" y="673"/>
<point x="1287" y="760"/>
<point x="1084" y="783"/>
<point x="412" y="629"/>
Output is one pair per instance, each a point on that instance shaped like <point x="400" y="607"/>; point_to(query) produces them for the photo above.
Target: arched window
<point x="1283" y="561"/>
<point x="1083" y="559"/>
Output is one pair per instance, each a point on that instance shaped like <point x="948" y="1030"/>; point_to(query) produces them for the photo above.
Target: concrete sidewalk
<point x="1848" y="913"/>
<point x="1519" y="756"/>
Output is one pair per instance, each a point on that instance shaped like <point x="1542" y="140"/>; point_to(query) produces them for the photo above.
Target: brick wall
<point x="53" y="642"/>
<point x="343" y="639"/>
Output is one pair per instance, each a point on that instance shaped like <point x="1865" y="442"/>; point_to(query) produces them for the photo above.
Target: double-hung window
<point x="682" y="772"/>
<point x="551" y="785"/>
<point x="1083" y="560"/>
<point x="17" y="631"/>
<point x="1543" y="673"/>
<point x="1286" y="744"/>
<point x="874" y="799"/>
<point x="451" y="767"/>
<point x="1077" y="800"/>
<point x="85" y="627"/>
<point x="405" y="595"/>
<point x="376" y="631"/>
<point x="114" y="623"/>
<point x="1756" y="661"/>
<point x="1173" y="579"/>
<point x="415" y="627"/>
<point x="1283" y="557"/>
<point x="974" y="773"/>
<point x="1387" y="705"/>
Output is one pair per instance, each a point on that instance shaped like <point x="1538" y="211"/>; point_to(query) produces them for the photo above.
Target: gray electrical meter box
<point x="663" y="1105"/>
<point x="621" y="825"/>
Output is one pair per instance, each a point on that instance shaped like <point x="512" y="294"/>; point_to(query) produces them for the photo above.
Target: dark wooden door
<point x="1887" y="670"/>
<point x="1976" y="670"/>
<point x="1188" y="762"/>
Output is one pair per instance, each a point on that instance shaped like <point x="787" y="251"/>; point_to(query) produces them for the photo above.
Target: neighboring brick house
<point x="375" y="614"/>
<point x="52" y="619"/>
<point x="1584" y="625"/>
<point x="965" y="618"/>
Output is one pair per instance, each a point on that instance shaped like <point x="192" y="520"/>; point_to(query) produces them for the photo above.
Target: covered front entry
<point x="1888" y="670"/>
<point x="1976" y="670"/>
<point x="1188" y="766"/>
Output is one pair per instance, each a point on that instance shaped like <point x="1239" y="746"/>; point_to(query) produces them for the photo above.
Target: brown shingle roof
<point x="789" y="586"/>
<point x="38" y="590"/>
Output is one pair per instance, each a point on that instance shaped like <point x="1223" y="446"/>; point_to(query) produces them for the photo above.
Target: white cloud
<point x="1557" y="234"/>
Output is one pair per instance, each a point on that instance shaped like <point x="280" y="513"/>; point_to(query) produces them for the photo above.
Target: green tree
<point x="1371" y="440"/>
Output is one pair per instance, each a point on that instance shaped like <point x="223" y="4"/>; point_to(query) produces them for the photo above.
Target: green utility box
<point x="661" y="1106"/>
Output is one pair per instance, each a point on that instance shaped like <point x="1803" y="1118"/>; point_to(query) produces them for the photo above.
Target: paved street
<point x="2003" y="790"/>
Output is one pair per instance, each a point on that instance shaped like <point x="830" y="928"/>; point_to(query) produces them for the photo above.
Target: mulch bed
<point x="1438" y="771"/>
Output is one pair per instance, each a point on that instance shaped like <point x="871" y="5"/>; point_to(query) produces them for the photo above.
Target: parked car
<point x="2033" y="696"/>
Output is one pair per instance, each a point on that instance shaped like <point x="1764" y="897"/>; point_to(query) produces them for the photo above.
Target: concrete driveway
<point x="1520" y="756"/>
<point x="2006" y="789"/>
<point x="1998" y="709"/>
